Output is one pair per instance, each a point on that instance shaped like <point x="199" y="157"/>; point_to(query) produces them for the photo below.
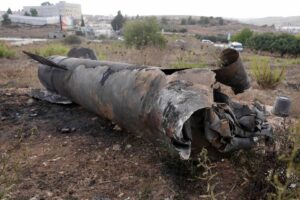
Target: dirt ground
<point x="23" y="31"/>
<point x="51" y="151"/>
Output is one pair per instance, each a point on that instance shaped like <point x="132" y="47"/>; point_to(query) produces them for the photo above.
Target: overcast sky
<point x="223" y="8"/>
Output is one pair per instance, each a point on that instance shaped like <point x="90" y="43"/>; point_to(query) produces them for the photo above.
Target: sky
<point x="222" y="8"/>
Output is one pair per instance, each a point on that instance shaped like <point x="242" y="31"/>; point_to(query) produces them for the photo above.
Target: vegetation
<point x="282" y="43"/>
<point x="33" y="12"/>
<point x="53" y="49"/>
<point x="206" y="21"/>
<point x="5" y="52"/>
<point x="6" y="20"/>
<point x="243" y="36"/>
<point x="82" y="21"/>
<point x="143" y="32"/>
<point x="46" y="3"/>
<point x="72" y="39"/>
<point x="26" y="14"/>
<point x="9" y="11"/>
<point x="266" y="76"/>
<point x="286" y="188"/>
<point x="118" y="21"/>
<point x="214" y="38"/>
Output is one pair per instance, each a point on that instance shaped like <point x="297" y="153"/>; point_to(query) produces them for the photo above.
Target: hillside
<point x="277" y="21"/>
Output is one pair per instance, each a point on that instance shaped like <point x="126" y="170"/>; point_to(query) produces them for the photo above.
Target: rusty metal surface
<point x="232" y="72"/>
<point x="174" y="106"/>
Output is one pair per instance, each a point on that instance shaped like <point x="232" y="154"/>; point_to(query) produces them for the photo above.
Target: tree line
<point x="282" y="43"/>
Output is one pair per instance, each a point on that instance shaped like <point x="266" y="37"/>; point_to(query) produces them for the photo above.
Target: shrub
<point x="53" y="49"/>
<point x="243" y="36"/>
<point x="72" y="39"/>
<point x="265" y="76"/>
<point x="143" y="32"/>
<point x="214" y="38"/>
<point x="183" y="30"/>
<point x="287" y="188"/>
<point x="280" y="43"/>
<point x="5" y="52"/>
<point x="6" y="20"/>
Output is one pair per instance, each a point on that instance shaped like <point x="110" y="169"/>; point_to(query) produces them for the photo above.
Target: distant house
<point x="289" y="29"/>
<point x="62" y="8"/>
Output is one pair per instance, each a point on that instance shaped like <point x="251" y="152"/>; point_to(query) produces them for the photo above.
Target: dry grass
<point x="18" y="74"/>
<point x="266" y="76"/>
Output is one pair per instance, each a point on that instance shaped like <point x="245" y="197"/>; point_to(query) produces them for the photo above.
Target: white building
<point x="37" y="21"/>
<point x="102" y="29"/>
<point x="61" y="8"/>
<point x="289" y="29"/>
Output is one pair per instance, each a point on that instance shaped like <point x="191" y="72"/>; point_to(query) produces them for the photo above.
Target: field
<point x="96" y="160"/>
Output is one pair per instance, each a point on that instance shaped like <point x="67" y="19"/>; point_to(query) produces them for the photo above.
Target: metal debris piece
<point x="82" y="53"/>
<point x="51" y="97"/>
<point x="282" y="106"/>
<point x="178" y="106"/>
<point x="232" y="72"/>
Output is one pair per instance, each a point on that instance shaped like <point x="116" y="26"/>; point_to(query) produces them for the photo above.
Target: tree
<point x="46" y="3"/>
<point x="191" y="21"/>
<point x="33" y="12"/>
<point x="183" y="21"/>
<point x="143" y="32"/>
<point x="82" y="21"/>
<point x="9" y="11"/>
<point x="26" y="14"/>
<point x="243" y="36"/>
<point x="118" y="21"/>
<point x="6" y="20"/>
<point x="164" y="21"/>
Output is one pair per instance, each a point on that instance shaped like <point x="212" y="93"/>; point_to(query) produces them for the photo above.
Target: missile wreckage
<point x="182" y="107"/>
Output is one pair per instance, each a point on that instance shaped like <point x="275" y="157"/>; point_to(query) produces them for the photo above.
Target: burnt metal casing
<point x="139" y="99"/>
<point x="232" y="72"/>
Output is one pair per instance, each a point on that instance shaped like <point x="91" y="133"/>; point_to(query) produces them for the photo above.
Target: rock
<point x="67" y="130"/>
<point x="100" y="197"/>
<point x="33" y="115"/>
<point x="128" y="146"/>
<point x="121" y="194"/>
<point x="3" y="118"/>
<point x="117" y="128"/>
<point x="36" y="197"/>
<point x="30" y="101"/>
<point x="116" y="147"/>
<point x="94" y="118"/>
<point x="49" y="194"/>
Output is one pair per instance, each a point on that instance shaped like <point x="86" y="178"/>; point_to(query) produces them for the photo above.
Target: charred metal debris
<point x="181" y="106"/>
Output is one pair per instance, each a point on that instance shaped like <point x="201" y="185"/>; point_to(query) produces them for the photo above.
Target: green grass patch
<point x="6" y="52"/>
<point x="265" y="75"/>
<point x="53" y="49"/>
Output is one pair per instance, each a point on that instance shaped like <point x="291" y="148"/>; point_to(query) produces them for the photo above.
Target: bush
<point x="183" y="30"/>
<point x="214" y="38"/>
<point x="243" y="36"/>
<point x="6" y="20"/>
<point x="143" y="32"/>
<point x="265" y="76"/>
<point x="53" y="49"/>
<point x="5" y="52"/>
<point x="72" y="39"/>
<point x="275" y="43"/>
